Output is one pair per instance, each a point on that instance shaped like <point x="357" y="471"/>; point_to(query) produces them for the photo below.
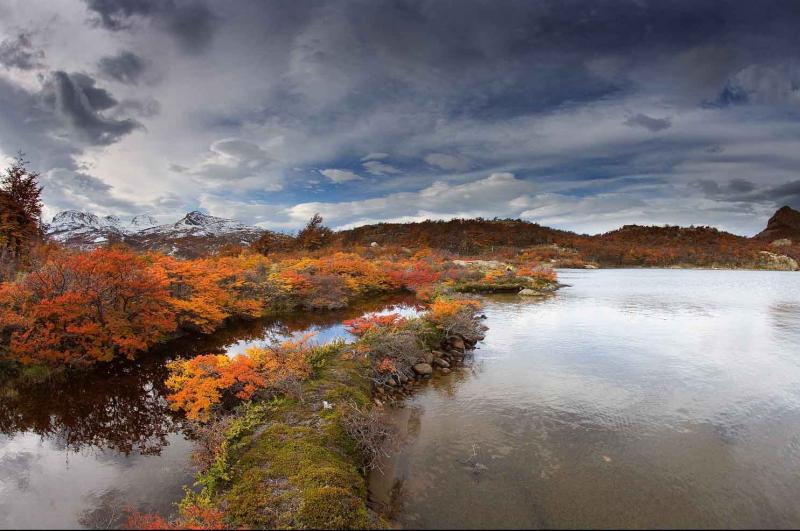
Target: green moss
<point x="332" y="508"/>
<point x="320" y="355"/>
<point x="289" y="463"/>
<point x="501" y="286"/>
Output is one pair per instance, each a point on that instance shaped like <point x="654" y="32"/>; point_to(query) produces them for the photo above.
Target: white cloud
<point x="238" y="164"/>
<point x="376" y="167"/>
<point x="489" y="196"/>
<point x="340" y="176"/>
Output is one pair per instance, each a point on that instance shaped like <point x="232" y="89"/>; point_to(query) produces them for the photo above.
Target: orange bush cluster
<point x="86" y="307"/>
<point x="191" y="517"/>
<point x="78" y="308"/>
<point x="443" y="309"/>
<point x="200" y="383"/>
<point x="363" y="325"/>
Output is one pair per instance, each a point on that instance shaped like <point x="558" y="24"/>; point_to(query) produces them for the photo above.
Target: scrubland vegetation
<point x="78" y="308"/>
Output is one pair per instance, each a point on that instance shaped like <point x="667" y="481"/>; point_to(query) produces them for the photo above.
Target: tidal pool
<point x="632" y="398"/>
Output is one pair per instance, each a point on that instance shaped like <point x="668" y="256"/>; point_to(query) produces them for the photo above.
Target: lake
<point x="632" y="398"/>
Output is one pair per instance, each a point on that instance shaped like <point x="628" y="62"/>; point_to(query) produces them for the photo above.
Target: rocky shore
<point x="450" y="355"/>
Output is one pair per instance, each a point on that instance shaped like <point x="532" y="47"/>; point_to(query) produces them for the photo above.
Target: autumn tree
<point x="314" y="235"/>
<point x="20" y="216"/>
<point x="203" y="383"/>
<point x="85" y="307"/>
<point x="22" y="186"/>
<point x="273" y="242"/>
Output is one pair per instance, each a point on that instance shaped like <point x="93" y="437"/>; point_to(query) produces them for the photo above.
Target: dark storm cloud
<point x="784" y="194"/>
<point x="19" y="53"/>
<point x="191" y="23"/>
<point x="651" y="124"/>
<point x="27" y="125"/>
<point x="125" y="67"/>
<point x="747" y="191"/>
<point x="77" y="101"/>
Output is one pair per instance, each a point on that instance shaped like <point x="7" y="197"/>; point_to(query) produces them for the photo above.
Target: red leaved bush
<point x="87" y="307"/>
<point x="362" y="325"/>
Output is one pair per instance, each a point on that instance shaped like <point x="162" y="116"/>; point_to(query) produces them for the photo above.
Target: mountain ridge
<point x="198" y="234"/>
<point x="195" y="234"/>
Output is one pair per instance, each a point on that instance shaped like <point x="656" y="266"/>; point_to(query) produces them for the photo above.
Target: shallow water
<point x="75" y="452"/>
<point x="632" y="398"/>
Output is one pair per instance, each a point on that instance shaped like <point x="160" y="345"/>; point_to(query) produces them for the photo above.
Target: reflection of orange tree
<point x="114" y="405"/>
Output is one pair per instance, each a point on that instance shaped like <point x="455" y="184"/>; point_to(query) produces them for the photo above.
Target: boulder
<point x="439" y="362"/>
<point x="456" y="343"/>
<point x="527" y="292"/>
<point x="423" y="369"/>
<point x="446" y="371"/>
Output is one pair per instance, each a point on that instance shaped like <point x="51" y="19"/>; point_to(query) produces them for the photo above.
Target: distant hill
<point x="784" y="224"/>
<point x="464" y="236"/>
<point x="635" y="245"/>
<point x="630" y="245"/>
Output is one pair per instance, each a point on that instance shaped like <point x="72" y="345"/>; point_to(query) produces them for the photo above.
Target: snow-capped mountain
<point x="199" y="224"/>
<point x="72" y="227"/>
<point x="193" y="235"/>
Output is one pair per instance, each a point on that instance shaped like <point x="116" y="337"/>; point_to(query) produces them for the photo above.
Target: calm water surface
<point x="75" y="452"/>
<point x="633" y="398"/>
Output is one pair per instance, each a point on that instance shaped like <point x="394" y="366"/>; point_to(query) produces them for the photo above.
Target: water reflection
<point x="119" y="407"/>
<point x="632" y="399"/>
<point x="75" y="450"/>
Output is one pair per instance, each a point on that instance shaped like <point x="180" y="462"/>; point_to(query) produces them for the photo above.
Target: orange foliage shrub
<point x="538" y="273"/>
<point x="86" y="307"/>
<point x="196" y="293"/>
<point x="283" y="362"/>
<point x="330" y="281"/>
<point x="443" y="309"/>
<point x="362" y="325"/>
<point x="201" y="383"/>
<point x="192" y="517"/>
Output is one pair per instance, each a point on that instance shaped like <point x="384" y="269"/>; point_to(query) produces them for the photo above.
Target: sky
<point x="574" y="114"/>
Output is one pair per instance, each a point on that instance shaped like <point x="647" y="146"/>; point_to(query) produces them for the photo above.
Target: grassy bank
<point x="288" y="462"/>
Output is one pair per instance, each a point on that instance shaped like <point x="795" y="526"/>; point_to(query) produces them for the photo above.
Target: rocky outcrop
<point x="784" y="224"/>
<point x="776" y="262"/>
